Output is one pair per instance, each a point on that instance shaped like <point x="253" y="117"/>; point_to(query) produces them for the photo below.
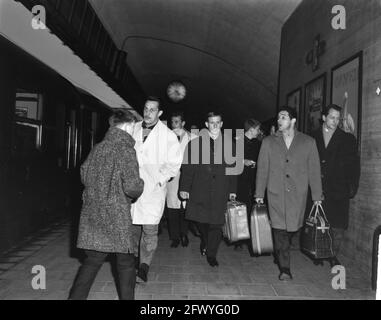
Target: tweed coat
<point x="340" y="169"/>
<point x="110" y="175"/>
<point x="208" y="184"/>
<point x="286" y="174"/>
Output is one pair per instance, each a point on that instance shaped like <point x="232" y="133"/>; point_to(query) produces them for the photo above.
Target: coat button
<point x="287" y="161"/>
<point x="287" y="175"/>
<point x="323" y="161"/>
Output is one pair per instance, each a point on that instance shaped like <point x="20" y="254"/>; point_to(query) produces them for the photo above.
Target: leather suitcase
<point x="260" y="227"/>
<point x="236" y="225"/>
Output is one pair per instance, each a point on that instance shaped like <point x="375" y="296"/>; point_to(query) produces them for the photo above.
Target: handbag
<point x="316" y="238"/>
<point x="236" y="222"/>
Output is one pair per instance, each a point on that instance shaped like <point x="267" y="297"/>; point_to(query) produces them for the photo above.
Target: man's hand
<point x="184" y="195"/>
<point x="249" y="163"/>
<point x="259" y="200"/>
<point x="317" y="202"/>
<point x="232" y="197"/>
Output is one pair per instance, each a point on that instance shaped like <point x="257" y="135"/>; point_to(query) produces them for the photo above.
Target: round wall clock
<point x="176" y="91"/>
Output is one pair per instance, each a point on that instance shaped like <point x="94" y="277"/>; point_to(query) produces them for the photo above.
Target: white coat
<point x="173" y="201"/>
<point x="159" y="159"/>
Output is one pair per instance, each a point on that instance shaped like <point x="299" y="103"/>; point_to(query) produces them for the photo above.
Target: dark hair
<point x="214" y="113"/>
<point x="251" y="123"/>
<point x="291" y="112"/>
<point x="178" y="114"/>
<point x="154" y="98"/>
<point x="121" y="116"/>
<point x="329" y="107"/>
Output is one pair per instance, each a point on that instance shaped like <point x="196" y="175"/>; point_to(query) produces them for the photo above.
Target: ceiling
<point x="226" y="52"/>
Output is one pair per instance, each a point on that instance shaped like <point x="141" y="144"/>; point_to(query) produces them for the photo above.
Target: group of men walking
<point x="138" y="168"/>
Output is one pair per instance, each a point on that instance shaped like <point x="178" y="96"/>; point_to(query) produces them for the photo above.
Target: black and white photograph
<point x="202" y="154"/>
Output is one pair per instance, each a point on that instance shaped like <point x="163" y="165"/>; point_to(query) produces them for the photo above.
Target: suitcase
<point x="316" y="237"/>
<point x="236" y="225"/>
<point x="260" y="227"/>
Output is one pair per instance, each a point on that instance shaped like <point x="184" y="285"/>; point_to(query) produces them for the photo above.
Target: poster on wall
<point x="314" y="103"/>
<point x="346" y="93"/>
<point x="293" y="101"/>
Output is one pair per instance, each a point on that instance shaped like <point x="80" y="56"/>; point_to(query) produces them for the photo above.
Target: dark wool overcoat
<point x="340" y="171"/>
<point x="287" y="174"/>
<point x="207" y="182"/>
<point x="246" y="181"/>
<point x="110" y="175"/>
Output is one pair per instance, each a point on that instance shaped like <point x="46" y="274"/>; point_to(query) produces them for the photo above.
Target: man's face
<point x="332" y="119"/>
<point x="152" y="112"/>
<point x="214" y="125"/>
<point x="284" y="121"/>
<point x="177" y="123"/>
<point x="254" y="132"/>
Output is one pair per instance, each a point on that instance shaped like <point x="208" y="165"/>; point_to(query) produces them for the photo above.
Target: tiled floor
<point x="175" y="274"/>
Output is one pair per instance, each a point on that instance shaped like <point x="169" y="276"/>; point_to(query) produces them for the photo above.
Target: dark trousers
<point x="90" y="267"/>
<point x="338" y="235"/>
<point x="211" y="237"/>
<point x="177" y="223"/>
<point x="282" y="243"/>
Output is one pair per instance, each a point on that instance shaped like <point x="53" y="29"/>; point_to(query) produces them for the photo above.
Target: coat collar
<point x="116" y="134"/>
<point x="279" y="138"/>
<point x="335" y="139"/>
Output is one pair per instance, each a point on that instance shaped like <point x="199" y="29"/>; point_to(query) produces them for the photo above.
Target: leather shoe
<point x="334" y="262"/>
<point x="175" y="243"/>
<point x="184" y="240"/>
<point x="143" y="272"/>
<point x="285" y="275"/>
<point x="212" y="261"/>
<point x="318" y="263"/>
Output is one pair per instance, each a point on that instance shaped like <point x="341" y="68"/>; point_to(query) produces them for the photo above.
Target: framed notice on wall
<point x="346" y="83"/>
<point x="294" y="101"/>
<point x="314" y="101"/>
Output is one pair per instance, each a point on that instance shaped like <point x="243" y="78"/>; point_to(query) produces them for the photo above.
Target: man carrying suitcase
<point x="207" y="185"/>
<point x="288" y="163"/>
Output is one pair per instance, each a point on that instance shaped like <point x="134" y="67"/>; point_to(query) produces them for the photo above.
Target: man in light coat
<point x="178" y="225"/>
<point x="159" y="156"/>
<point x="288" y="163"/>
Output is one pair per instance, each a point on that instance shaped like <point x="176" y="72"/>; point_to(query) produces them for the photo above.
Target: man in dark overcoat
<point x="288" y="164"/>
<point x="207" y="184"/>
<point x="340" y="172"/>
<point x="111" y="178"/>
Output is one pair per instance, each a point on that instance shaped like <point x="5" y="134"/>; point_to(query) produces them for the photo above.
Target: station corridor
<point x="176" y="274"/>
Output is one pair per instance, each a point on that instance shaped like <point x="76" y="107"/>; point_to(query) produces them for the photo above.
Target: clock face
<point x="176" y="91"/>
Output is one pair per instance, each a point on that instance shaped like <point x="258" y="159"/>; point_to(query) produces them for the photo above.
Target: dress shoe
<point x="184" y="240"/>
<point x="175" y="243"/>
<point x="285" y="275"/>
<point x="212" y="261"/>
<point x="202" y="249"/>
<point x="143" y="272"/>
<point x="238" y="247"/>
<point x="318" y="262"/>
<point x="334" y="262"/>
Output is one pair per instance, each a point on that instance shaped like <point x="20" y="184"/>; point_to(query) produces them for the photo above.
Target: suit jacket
<point x="340" y="170"/>
<point x="287" y="174"/>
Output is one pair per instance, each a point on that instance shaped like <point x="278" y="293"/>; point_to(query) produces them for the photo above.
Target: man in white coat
<point x="159" y="157"/>
<point x="178" y="226"/>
